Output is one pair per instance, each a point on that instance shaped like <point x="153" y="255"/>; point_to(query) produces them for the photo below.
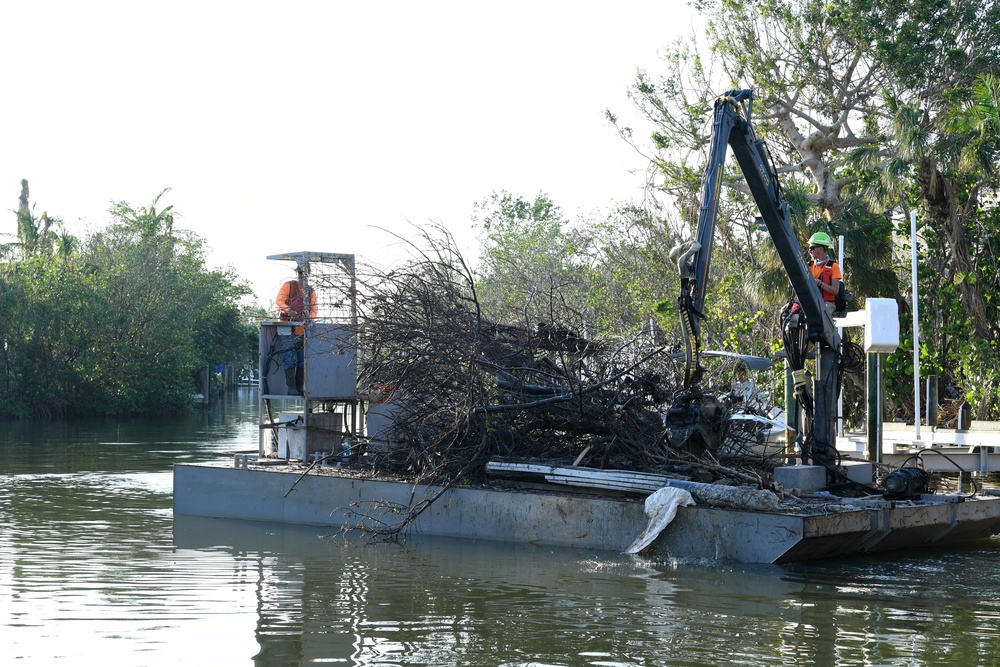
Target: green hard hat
<point x="821" y="238"/>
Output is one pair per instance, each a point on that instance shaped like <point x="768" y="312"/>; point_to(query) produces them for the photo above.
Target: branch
<point x="565" y="397"/>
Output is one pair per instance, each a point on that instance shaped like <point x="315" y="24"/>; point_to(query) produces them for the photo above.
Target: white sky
<point x="296" y="125"/>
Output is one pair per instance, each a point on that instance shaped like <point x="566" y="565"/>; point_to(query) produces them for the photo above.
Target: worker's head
<point x="820" y="243"/>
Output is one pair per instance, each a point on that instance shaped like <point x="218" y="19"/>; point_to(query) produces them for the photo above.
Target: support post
<point x="840" y="332"/>
<point x="206" y="383"/>
<point x="824" y="443"/>
<point x="916" y="325"/>
<point x="791" y="412"/>
<point x="873" y="412"/>
<point x="932" y="400"/>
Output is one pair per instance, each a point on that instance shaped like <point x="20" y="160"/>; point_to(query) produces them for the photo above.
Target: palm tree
<point x="35" y="235"/>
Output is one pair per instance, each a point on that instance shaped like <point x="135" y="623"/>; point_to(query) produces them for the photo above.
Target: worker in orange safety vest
<point x="291" y="300"/>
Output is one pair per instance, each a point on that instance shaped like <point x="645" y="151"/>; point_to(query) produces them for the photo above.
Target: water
<point x="95" y="569"/>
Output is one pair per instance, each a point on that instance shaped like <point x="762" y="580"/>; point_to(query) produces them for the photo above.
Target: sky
<point x="307" y="125"/>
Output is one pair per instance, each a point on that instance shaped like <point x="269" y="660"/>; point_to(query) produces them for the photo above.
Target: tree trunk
<point x="940" y="196"/>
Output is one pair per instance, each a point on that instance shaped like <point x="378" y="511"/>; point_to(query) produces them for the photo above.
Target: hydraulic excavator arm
<point x="696" y="420"/>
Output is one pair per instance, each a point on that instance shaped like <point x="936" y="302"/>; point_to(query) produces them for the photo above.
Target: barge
<point x="562" y="516"/>
<point x="307" y="418"/>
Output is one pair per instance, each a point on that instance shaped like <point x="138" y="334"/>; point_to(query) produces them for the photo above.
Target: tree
<point x="35" y="235"/>
<point x="602" y="275"/>
<point x="631" y="272"/>
<point x="530" y="254"/>
<point x="119" y="326"/>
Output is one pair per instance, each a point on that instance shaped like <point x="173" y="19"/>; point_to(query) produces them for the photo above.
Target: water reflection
<point x="435" y="601"/>
<point x="94" y="567"/>
<point x="428" y="601"/>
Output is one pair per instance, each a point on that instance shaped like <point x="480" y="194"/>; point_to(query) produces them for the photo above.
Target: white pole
<point x="840" y="332"/>
<point x="916" y="326"/>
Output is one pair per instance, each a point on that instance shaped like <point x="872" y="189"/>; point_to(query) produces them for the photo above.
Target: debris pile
<point x="464" y="389"/>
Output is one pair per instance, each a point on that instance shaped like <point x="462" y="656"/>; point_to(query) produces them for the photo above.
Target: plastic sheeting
<point x="661" y="508"/>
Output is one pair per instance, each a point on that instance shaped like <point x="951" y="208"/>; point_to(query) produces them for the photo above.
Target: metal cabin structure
<point x="329" y="411"/>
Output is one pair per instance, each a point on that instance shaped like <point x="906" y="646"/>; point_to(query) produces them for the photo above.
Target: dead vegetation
<point x="465" y="389"/>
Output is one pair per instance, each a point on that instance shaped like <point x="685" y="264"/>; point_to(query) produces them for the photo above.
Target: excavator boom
<point x="694" y="414"/>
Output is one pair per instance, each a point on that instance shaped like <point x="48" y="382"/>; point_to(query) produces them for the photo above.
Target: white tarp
<point x="661" y="508"/>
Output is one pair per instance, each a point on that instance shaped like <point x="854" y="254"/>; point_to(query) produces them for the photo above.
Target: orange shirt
<point x="291" y="304"/>
<point x="830" y="271"/>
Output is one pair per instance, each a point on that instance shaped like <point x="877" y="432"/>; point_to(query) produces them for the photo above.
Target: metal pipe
<point x="932" y="400"/>
<point x="916" y="326"/>
<point x="840" y="332"/>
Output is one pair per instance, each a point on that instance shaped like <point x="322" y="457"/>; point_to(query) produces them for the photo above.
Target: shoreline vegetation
<point x="118" y="322"/>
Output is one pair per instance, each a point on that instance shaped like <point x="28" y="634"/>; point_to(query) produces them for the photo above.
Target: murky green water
<point x="95" y="569"/>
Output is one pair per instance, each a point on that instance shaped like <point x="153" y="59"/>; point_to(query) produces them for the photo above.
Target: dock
<point x="974" y="450"/>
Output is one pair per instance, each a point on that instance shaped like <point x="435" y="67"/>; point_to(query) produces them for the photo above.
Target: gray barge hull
<point x="565" y="518"/>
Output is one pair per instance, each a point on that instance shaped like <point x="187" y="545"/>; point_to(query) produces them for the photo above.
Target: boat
<point x="601" y="512"/>
<point x="307" y="471"/>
